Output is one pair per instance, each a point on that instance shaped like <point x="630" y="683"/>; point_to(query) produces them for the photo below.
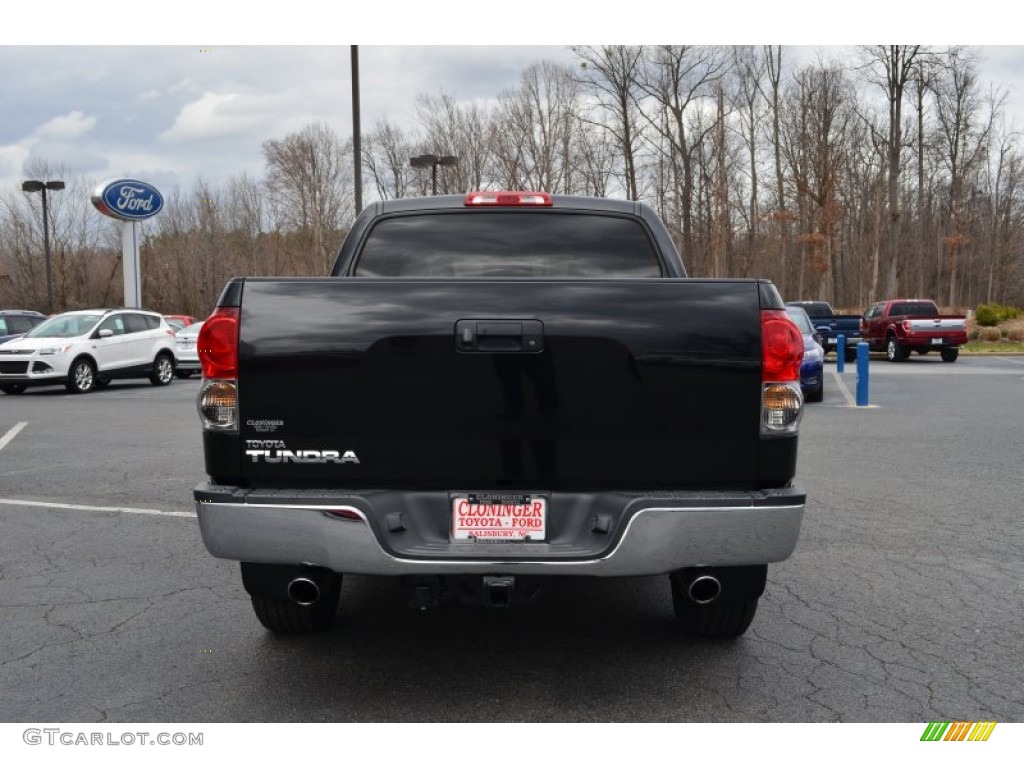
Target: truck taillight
<point x="217" y="348"/>
<point x="508" y="198"/>
<point x="217" y="345"/>
<point x="782" y="352"/>
<point x="782" y="347"/>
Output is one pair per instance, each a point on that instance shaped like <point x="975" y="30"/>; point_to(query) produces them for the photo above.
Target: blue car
<point x="812" y="369"/>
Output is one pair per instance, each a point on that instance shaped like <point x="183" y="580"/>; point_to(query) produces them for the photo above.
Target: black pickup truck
<point x="494" y="389"/>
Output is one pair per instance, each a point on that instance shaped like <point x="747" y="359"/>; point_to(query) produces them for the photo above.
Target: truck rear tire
<point x="270" y="589"/>
<point x="286" y="617"/>
<point x="720" y="620"/>
<point x="950" y="354"/>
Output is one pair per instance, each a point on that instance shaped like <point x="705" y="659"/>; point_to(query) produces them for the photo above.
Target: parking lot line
<point x="842" y="388"/>
<point x="87" y="508"/>
<point x="11" y="433"/>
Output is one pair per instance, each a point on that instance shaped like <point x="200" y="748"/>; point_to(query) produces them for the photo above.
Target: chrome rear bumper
<point x="655" y="535"/>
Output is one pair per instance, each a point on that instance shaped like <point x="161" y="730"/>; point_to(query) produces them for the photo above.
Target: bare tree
<point x="609" y="73"/>
<point x="675" y="78"/>
<point x="82" y="243"/>
<point x="177" y="269"/>
<point x="819" y="118"/>
<point x="309" y="178"/>
<point x="861" y="197"/>
<point x="596" y="158"/>
<point x="464" y="131"/>
<point x="772" y="58"/>
<point x="923" y="80"/>
<point x="965" y="120"/>
<point x="720" y="221"/>
<point x="891" y="68"/>
<point x="533" y="131"/>
<point x="749" y="76"/>
<point x="248" y="221"/>
<point x="386" y="153"/>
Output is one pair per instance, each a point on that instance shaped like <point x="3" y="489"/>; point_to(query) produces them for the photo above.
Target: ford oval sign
<point x="128" y="199"/>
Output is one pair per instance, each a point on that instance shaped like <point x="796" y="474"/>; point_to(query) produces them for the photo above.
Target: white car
<point x="187" y="357"/>
<point x="85" y="349"/>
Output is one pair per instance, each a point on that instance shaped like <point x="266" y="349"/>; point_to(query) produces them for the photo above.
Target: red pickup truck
<point x="901" y="326"/>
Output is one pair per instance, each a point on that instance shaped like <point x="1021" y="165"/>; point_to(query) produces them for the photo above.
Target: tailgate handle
<point x="522" y="336"/>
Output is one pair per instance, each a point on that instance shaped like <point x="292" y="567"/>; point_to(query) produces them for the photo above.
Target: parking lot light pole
<point x="41" y="186"/>
<point x="357" y="151"/>
<point x="432" y="161"/>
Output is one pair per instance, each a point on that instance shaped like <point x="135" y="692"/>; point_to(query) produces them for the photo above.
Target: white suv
<point x="87" y="348"/>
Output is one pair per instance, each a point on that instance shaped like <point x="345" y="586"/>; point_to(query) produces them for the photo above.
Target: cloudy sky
<point x="184" y="92"/>
<point x="168" y="113"/>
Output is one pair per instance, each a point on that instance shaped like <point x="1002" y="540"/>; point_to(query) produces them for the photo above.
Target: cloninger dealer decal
<point x="275" y="452"/>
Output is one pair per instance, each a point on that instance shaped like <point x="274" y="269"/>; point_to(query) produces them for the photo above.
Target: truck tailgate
<point x="529" y="385"/>
<point x="942" y="324"/>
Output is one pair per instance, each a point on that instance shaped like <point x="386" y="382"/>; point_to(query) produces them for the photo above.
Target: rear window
<point x="914" y="309"/>
<point x="817" y="308"/>
<point x="799" y="316"/>
<point x="478" y="244"/>
<point x="18" y="324"/>
<point x="23" y="324"/>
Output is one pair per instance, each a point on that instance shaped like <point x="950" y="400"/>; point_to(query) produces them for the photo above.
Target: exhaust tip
<point x="303" y="590"/>
<point x="704" y="589"/>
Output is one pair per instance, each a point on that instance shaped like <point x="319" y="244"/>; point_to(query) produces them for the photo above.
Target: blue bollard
<point x="862" y="373"/>
<point x="841" y="353"/>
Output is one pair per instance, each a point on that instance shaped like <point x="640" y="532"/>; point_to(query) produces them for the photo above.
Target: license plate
<point x="937" y="341"/>
<point x="499" y="517"/>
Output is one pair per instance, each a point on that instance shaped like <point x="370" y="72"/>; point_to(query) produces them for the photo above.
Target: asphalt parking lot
<point x="903" y="602"/>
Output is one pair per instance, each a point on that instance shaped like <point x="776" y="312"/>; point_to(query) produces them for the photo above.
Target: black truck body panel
<point x="635" y="385"/>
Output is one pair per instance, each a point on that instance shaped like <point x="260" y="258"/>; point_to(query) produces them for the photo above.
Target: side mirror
<point x="104" y="333"/>
<point x="818" y="337"/>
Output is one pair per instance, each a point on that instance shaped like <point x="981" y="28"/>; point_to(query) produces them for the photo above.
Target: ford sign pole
<point x="129" y="201"/>
<point x="130" y="262"/>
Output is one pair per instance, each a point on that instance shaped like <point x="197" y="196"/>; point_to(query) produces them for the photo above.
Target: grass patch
<point x="994" y="348"/>
<point x="1005" y="339"/>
